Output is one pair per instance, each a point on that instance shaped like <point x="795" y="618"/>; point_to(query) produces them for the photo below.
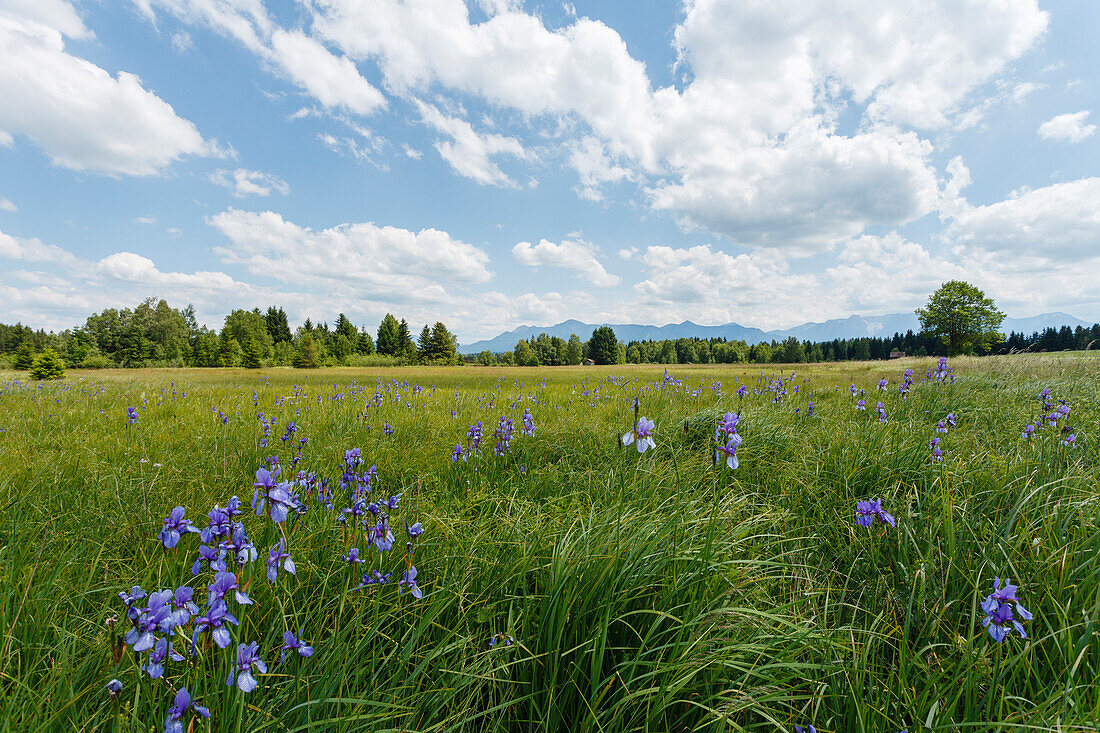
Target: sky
<point x="496" y="163"/>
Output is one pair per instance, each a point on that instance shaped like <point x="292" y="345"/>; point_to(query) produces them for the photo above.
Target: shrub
<point x="97" y="361"/>
<point x="48" y="365"/>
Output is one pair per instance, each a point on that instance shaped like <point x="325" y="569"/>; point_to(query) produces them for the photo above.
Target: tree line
<point x="154" y="334"/>
<point x="545" y="350"/>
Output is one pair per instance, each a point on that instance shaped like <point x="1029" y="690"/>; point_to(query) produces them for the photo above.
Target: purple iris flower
<point x="173" y="723"/>
<point x="131" y="416"/>
<point x="392" y="502"/>
<point x="861" y="405"/>
<point x="135" y="595"/>
<point x="457" y="453"/>
<point x="114" y="688"/>
<point x="223" y="583"/>
<point x="373" y="578"/>
<point x="289" y="642"/>
<point x="219" y="526"/>
<point x="174" y="525"/>
<point x="868" y="511"/>
<point x="805" y="729"/>
<point x="352" y="558"/>
<point x="998" y="606"/>
<point x="1069" y="441"/>
<point x="157" y="617"/>
<point x="641" y="436"/>
<point x="356" y="510"/>
<point x="408" y="578"/>
<point x="161" y="651"/>
<point x="274" y="555"/>
<point x="414" y="531"/>
<point x="742" y="391"/>
<point x="381" y="535"/>
<point x="528" y="423"/>
<point x="1029" y="430"/>
<point x="216" y="618"/>
<point x="730" y="450"/>
<point x="182" y="605"/>
<point x="934" y="446"/>
<point x="265" y="482"/>
<point x="214" y="556"/>
<point x="241" y="547"/>
<point x="247" y="656"/>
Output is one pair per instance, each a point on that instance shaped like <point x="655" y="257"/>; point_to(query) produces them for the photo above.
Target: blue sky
<point x="496" y="163"/>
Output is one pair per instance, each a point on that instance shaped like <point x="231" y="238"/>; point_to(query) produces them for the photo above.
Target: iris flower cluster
<point x="728" y="440"/>
<point x="869" y="512"/>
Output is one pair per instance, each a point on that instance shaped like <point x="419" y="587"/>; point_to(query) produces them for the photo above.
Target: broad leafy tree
<point x="962" y="318"/>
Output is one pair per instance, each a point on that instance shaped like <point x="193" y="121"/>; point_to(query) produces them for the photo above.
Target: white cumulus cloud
<point x="575" y="255"/>
<point x="1067" y="128"/>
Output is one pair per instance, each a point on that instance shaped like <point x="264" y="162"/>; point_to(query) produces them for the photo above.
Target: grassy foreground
<point x="653" y="591"/>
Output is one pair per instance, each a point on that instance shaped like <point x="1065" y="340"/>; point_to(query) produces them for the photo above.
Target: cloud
<point x="470" y="153"/>
<point x="1061" y="221"/>
<point x="575" y="255"/>
<point x="332" y="80"/>
<point x="243" y="182"/>
<point x="75" y="111"/>
<point x="182" y="42"/>
<point x="7" y="205"/>
<point x="1067" y="128"/>
<point x="145" y="220"/>
<point x="411" y="152"/>
<point x="362" y="258"/>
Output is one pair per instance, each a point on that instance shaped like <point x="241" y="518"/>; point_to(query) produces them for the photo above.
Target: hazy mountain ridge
<point x="851" y="327"/>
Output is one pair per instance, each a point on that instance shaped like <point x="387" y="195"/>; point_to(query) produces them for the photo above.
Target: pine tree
<point x="603" y="346"/>
<point x="48" y="365"/>
<point x="308" y="356"/>
<point x="24" y="356"/>
<point x="388" y="343"/>
<point x="424" y="353"/>
<point x="444" y="345"/>
<point x="250" y="354"/>
<point x="405" y="345"/>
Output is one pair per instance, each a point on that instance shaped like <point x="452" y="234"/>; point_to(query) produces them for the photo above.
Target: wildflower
<point x="807" y="729"/>
<point x="161" y="650"/>
<point x="247" y="656"/>
<point x="457" y="453"/>
<point x="216" y="618"/>
<point x="174" y="525"/>
<point x="998" y="607"/>
<point x="1029" y="430"/>
<point x="528" y="423"/>
<point x="114" y="688"/>
<point x="409" y="578"/>
<point x="289" y="642"/>
<point x="881" y="412"/>
<point x="352" y="459"/>
<point x="157" y="617"/>
<point x="861" y="405"/>
<point x="352" y="558"/>
<point x="728" y="426"/>
<point x="730" y="449"/>
<point x="274" y="555"/>
<point x="223" y="583"/>
<point x="381" y="535"/>
<point x="742" y="391"/>
<point x="172" y="723"/>
<point x="182" y="605"/>
<point x="387" y="429"/>
<point x="883" y="384"/>
<point x="414" y="531"/>
<point x="213" y="556"/>
<point x="868" y="511"/>
<point x="129" y="599"/>
<point x="240" y="545"/>
<point x="131" y="416"/>
<point x="641" y="436"/>
<point x="373" y="578"/>
<point x="506" y="639"/>
<point x="934" y="446"/>
<point x="1069" y="441"/>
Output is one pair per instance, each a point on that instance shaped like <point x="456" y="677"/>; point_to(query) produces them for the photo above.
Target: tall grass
<point x="653" y="592"/>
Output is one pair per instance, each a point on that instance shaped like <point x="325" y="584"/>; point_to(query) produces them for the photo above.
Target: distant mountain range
<point x="851" y="327"/>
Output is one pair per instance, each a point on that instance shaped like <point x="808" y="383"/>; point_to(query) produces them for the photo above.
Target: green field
<point x="655" y="591"/>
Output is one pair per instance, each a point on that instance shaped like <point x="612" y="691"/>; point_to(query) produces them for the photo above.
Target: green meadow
<point x="621" y="591"/>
